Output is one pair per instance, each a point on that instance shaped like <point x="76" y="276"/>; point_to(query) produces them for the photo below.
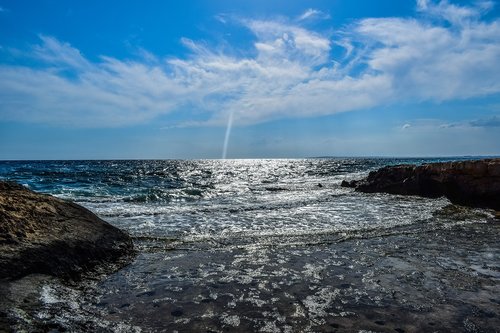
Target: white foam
<point x="231" y="320"/>
<point x="318" y="304"/>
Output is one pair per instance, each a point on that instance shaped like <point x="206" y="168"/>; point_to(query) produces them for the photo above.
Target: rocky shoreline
<point x="44" y="242"/>
<point x="430" y="275"/>
<point x="468" y="183"/>
<point x="41" y="234"/>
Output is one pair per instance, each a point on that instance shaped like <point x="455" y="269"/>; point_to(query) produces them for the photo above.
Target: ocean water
<point x="225" y="201"/>
<point x="271" y="246"/>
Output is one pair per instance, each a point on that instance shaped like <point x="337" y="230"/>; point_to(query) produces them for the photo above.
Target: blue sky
<point x="248" y="79"/>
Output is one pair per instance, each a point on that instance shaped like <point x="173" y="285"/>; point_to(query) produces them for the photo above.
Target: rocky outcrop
<point x="469" y="183"/>
<point x="43" y="234"/>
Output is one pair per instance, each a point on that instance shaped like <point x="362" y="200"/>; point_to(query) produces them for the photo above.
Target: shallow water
<point x="271" y="246"/>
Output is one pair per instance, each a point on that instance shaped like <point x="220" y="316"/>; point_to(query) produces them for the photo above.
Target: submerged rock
<point x="469" y="183"/>
<point x="43" y="234"/>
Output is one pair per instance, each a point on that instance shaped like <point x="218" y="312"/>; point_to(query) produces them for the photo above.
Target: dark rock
<point x="177" y="312"/>
<point x="275" y="189"/>
<point x="347" y="183"/>
<point x="468" y="183"/>
<point x="43" y="234"/>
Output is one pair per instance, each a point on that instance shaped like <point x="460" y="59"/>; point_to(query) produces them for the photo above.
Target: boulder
<point x="474" y="183"/>
<point x="43" y="234"/>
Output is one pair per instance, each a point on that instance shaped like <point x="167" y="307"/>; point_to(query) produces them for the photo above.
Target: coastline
<point x="431" y="274"/>
<point x="473" y="183"/>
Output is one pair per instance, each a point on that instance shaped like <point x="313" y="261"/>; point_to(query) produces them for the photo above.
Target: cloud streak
<point x="418" y="125"/>
<point x="447" y="53"/>
<point x="490" y="122"/>
<point x="312" y="13"/>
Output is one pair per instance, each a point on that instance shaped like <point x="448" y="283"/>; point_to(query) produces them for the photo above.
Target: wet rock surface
<point x="438" y="275"/>
<point x="439" y="280"/>
<point x="46" y="235"/>
<point x="470" y="183"/>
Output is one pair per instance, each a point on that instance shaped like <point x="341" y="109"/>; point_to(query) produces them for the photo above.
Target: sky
<point x="248" y="79"/>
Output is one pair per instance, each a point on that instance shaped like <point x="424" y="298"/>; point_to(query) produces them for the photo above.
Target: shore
<point x="440" y="272"/>
<point x="438" y="278"/>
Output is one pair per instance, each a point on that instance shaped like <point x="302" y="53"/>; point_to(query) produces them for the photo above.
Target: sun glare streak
<point x="228" y="133"/>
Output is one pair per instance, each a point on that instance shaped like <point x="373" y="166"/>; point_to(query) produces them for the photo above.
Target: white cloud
<point x="454" y="13"/>
<point x="278" y="42"/>
<point x="484" y="123"/>
<point x="291" y="73"/>
<point x="426" y="125"/>
<point x="430" y="62"/>
<point x="61" y="55"/>
<point x="312" y="13"/>
<point x="73" y="91"/>
<point x="221" y="18"/>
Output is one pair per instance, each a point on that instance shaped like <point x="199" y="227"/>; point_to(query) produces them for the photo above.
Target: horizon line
<point x="259" y="158"/>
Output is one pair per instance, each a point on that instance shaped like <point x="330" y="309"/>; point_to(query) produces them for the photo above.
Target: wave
<point x="160" y="195"/>
<point x="195" y="201"/>
<point x="443" y="219"/>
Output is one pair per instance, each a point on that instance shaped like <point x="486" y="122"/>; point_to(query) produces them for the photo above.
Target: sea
<point x="269" y="245"/>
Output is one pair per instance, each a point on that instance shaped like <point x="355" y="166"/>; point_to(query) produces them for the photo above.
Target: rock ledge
<point x="43" y="234"/>
<point x="474" y="183"/>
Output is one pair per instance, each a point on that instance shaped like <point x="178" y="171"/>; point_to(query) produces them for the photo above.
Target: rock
<point x="469" y="183"/>
<point x="347" y="183"/>
<point x="43" y="234"/>
<point x="275" y="189"/>
<point x="177" y="312"/>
